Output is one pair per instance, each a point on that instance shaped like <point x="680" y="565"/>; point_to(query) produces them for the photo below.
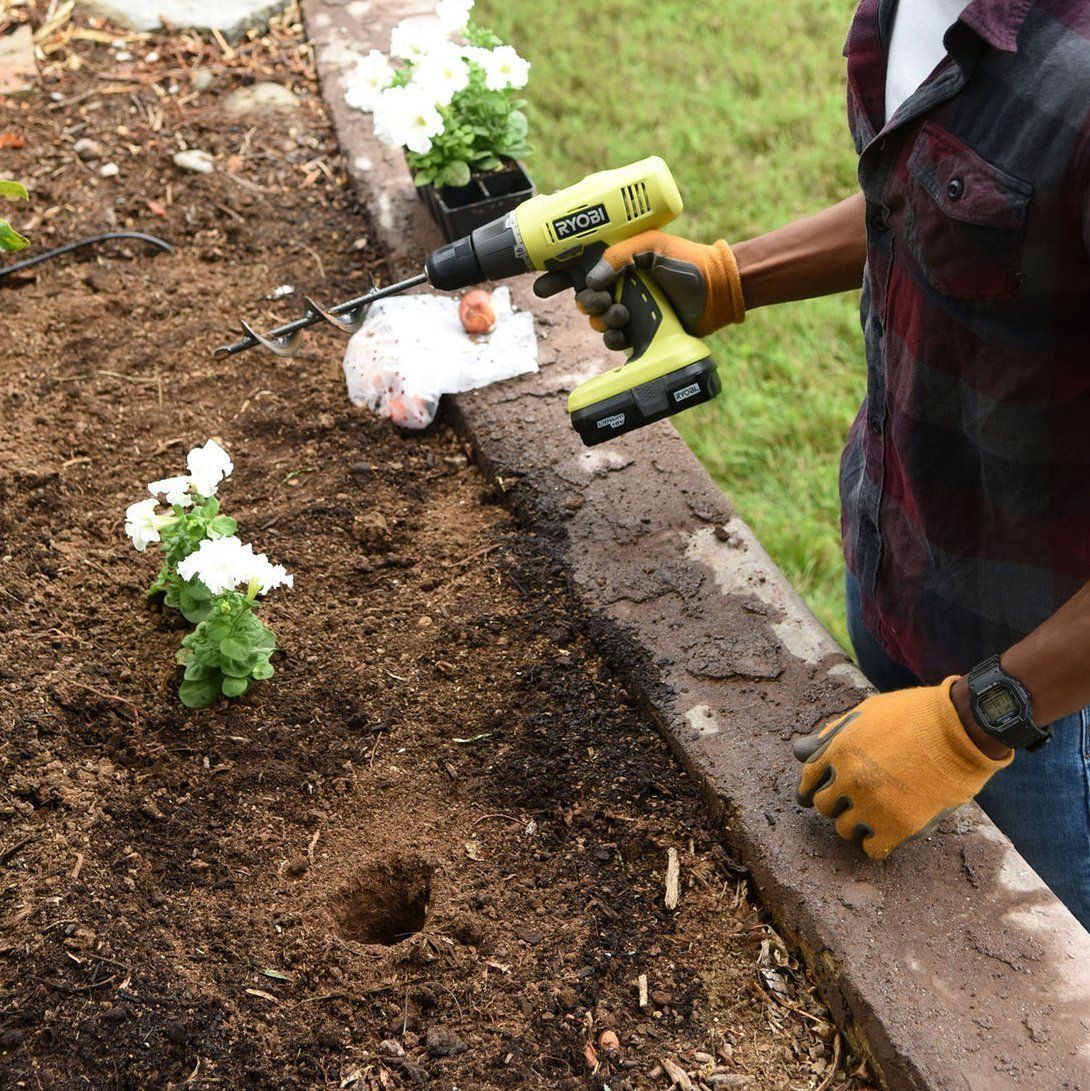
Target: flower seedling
<point x="10" y="239"/>
<point x="204" y="568"/>
<point x="451" y="104"/>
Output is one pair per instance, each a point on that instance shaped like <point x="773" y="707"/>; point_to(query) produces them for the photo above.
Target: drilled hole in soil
<point x="384" y="903"/>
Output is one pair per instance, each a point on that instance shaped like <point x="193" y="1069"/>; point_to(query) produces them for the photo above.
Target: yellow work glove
<point x="701" y="282"/>
<point x="892" y="767"/>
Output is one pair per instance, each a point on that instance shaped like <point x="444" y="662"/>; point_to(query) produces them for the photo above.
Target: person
<point x="965" y="481"/>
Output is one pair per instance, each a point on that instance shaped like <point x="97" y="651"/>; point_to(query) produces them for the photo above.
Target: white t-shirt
<point x="916" y="47"/>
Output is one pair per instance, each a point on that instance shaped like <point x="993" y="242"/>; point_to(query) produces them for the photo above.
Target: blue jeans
<point x="1041" y="801"/>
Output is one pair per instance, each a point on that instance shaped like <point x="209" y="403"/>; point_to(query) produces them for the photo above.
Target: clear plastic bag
<point x="412" y="349"/>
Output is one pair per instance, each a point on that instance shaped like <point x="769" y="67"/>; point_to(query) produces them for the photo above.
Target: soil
<point x="433" y="849"/>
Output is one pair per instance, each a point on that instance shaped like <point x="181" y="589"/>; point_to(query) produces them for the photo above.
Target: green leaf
<point x="517" y="127"/>
<point x="232" y="648"/>
<point x="10" y="239"/>
<point x="235" y="668"/>
<point x="200" y="694"/>
<point x="222" y="526"/>
<point x="13" y="191"/>
<point x="196" y="671"/>
<point x="489" y="162"/>
<point x="261" y="671"/>
<point x="234" y="687"/>
<point x="457" y="173"/>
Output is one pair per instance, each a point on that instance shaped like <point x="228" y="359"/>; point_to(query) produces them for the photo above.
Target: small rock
<point x="194" y="159"/>
<point x="609" y="1043"/>
<point x="390" y="1047"/>
<point x="567" y="998"/>
<point x="109" y="170"/>
<point x="372" y="531"/>
<point x="261" y="96"/>
<point x="201" y="79"/>
<point x="443" y="1042"/>
<point x="86" y="148"/>
<point x="296" y="867"/>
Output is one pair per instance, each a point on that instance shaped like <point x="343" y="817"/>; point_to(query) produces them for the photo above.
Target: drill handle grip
<point x="634" y="289"/>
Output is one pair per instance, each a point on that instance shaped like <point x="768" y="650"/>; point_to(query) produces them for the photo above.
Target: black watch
<point x="1002" y="707"/>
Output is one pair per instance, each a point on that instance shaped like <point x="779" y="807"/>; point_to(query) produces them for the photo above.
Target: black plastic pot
<point x="458" y="210"/>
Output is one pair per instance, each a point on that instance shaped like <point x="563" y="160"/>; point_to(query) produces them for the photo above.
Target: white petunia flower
<point x="175" y="490"/>
<point x="267" y="575"/>
<point x="504" y="68"/>
<point x="412" y="38"/>
<point x="219" y="563"/>
<point x="475" y="53"/>
<point x="143" y="523"/>
<point x="453" y="14"/>
<point x="208" y="466"/>
<point x="405" y="116"/>
<point x="441" y="73"/>
<point x="370" y="77"/>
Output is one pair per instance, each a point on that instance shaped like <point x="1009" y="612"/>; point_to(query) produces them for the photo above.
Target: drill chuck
<point x="491" y="252"/>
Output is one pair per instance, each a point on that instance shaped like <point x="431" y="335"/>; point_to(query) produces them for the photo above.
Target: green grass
<point x="745" y="101"/>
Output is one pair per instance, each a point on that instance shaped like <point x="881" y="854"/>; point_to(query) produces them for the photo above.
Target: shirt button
<point x="955" y="188"/>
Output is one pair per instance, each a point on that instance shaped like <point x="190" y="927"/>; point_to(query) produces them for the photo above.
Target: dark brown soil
<point x="431" y="849"/>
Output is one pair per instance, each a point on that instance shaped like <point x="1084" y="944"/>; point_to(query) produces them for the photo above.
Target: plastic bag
<point x="412" y="349"/>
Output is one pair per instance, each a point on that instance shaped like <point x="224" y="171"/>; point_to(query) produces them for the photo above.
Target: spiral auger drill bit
<point x="347" y="317"/>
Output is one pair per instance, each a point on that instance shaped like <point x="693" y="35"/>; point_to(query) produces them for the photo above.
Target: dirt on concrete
<point x="433" y="849"/>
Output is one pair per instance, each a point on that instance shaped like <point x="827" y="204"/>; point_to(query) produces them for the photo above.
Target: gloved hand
<point x="892" y="767"/>
<point x="702" y="282"/>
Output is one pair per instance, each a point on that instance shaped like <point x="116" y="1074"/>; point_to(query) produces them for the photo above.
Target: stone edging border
<point x="950" y="965"/>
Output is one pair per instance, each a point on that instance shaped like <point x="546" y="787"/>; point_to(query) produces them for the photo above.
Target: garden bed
<point x="434" y="847"/>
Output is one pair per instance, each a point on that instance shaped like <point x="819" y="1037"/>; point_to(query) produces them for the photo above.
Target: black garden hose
<point x="70" y="246"/>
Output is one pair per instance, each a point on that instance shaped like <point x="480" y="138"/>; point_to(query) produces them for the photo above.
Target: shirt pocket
<point x="963" y="218"/>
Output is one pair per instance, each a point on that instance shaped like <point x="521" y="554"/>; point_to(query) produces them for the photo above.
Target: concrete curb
<point x="951" y="965"/>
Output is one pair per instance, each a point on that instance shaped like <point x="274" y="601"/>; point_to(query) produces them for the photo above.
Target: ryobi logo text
<point x="576" y="223"/>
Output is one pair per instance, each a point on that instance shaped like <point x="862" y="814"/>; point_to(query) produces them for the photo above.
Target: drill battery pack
<point x="648" y="402"/>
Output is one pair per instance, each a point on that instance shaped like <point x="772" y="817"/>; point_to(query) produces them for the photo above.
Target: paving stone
<point x="18" y="68"/>
<point x="232" y="18"/>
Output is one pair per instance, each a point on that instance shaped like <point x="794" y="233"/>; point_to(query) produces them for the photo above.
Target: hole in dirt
<point x="385" y="902"/>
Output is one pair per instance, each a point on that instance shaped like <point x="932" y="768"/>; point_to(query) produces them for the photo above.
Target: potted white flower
<point x="448" y="95"/>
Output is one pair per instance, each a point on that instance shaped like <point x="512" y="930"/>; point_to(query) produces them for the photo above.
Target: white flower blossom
<point x="441" y="73"/>
<point x="175" y="490"/>
<point x="405" y="116"/>
<point x="475" y="53"/>
<point x="372" y="75"/>
<point x="453" y="14"/>
<point x="412" y="38"/>
<point x="219" y="563"/>
<point x="504" y="68"/>
<point x="143" y="523"/>
<point x="267" y="575"/>
<point x="208" y="466"/>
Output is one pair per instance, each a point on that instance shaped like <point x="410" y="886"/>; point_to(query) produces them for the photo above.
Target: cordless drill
<point x="667" y="369"/>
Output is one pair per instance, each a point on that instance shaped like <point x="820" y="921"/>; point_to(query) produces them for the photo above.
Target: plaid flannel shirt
<point x="965" y="483"/>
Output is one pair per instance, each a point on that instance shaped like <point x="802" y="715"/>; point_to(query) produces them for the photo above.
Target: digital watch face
<point x="998" y="705"/>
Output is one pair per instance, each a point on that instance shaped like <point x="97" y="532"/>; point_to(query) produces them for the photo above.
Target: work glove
<point x="701" y="282"/>
<point x="893" y="767"/>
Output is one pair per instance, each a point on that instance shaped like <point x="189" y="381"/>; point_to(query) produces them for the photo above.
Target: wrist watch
<point x="1002" y="707"/>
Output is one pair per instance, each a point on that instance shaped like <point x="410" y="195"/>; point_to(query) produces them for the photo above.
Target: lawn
<point x="745" y="101"/>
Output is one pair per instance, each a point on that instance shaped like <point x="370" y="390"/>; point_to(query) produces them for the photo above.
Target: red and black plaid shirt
<point x="965" y="484"/>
